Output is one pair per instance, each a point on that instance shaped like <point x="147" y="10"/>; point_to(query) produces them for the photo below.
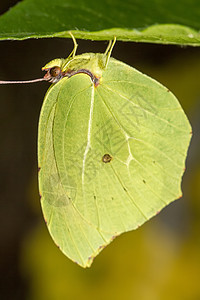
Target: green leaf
<point x="156" y="21"/>
<point x="112" y="151"/>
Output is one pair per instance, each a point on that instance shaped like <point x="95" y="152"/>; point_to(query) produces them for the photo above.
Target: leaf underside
<point x="141" y="126"/>
<point x="163" y="21"/>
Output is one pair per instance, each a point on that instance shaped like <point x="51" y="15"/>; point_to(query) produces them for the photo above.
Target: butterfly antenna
<point x="23" y="81"/>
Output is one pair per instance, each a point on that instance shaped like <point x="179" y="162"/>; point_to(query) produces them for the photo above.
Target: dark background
<point x="161" y="259"/>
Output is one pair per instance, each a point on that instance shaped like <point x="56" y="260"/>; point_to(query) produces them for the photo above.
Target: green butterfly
<point x="112" y="148"/>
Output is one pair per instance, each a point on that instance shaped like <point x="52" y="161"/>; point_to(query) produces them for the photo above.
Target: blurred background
<point x="160" y="260"/>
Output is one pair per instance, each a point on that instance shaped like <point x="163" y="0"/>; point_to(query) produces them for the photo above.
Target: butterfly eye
<point x="55" y="72"/>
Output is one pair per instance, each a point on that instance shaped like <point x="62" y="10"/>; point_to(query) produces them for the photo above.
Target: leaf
<point x="162" y="21"/>
<point x="112" y="149"/>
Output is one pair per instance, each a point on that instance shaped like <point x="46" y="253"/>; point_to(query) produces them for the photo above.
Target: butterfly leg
<point x="73" y="53"/>
<point x="108" y="51"/>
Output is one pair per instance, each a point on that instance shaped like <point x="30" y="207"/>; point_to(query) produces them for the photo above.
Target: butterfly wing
<point x="111" y="157"/>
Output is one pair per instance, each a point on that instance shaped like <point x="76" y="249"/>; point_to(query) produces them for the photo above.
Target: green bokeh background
<point x="160" y="260"/>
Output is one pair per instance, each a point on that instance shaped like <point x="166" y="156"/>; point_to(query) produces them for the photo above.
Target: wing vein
<point x="88" y="135"/>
